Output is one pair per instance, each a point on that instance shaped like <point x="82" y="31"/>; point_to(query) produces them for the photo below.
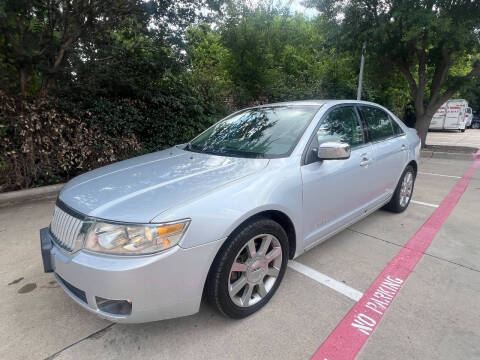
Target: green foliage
<point x="208" y="59"/>
<point x="87" y="82"/>
<point x="434" y="44"/>
<point x="43" y="145"/>
<point x="272" y="55"/>
<point x="472" y="95"/>
<point x="79" y="95"/>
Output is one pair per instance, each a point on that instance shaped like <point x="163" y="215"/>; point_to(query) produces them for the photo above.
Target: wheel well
<point x="284" y="222"/>
<point x="414" y="165"/>
<point x="275" y="215"/>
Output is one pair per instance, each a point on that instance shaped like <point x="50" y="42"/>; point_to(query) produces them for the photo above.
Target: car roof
<point x="317" y="103"/>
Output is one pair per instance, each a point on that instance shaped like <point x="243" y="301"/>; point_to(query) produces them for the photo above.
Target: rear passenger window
<point x="397" y="130"/>
<point x="341" y="125"/>
<point x="378" y="123"/>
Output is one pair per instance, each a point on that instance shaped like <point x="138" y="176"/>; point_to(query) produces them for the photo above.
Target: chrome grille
<point x="65" y="229"/>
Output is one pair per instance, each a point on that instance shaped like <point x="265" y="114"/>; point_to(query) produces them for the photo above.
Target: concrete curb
<point x="11" y="197"/>
<point x="446" y="155"/>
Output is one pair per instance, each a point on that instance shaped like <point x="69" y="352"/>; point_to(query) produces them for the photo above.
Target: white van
<point x="468" y="117"/>
<point x="451" y="116"/>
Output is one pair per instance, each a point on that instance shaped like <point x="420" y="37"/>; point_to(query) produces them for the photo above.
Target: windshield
<point x="260" y="132"/>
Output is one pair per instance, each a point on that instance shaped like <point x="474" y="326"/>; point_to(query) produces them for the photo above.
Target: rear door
<point x="335" y="191"/>
<point x="390" y="150"/>
<point x="468" y="116"/>
<point x="438" y="119"/>
<point x="455" y="115"/>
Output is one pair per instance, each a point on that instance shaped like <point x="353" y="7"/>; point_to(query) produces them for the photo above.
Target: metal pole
<point x="360" y="76"/>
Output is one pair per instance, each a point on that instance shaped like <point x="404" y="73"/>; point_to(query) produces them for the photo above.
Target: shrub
<point x="41" y="145"/>
<point x="47" y="141"/>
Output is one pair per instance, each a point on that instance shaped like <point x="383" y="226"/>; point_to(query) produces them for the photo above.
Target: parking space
<point x="438" y="308"/>
<point x="434" y="316"/>
<point x="458" y="240"/>
<point x="289" y="328"/>
<point x="432" y="189"/>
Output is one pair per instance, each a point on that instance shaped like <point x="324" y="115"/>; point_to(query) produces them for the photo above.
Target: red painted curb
<point x="351" y="334"/>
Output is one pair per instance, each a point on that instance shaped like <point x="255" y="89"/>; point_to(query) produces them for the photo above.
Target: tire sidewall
<point x="399" y="207"/>
<point x="237" y="242"/>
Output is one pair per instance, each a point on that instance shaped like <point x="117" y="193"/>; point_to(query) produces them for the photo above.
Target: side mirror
<point x="333" y="151"/>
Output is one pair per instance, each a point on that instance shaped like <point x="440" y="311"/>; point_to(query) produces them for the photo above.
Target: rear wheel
<point x="403" y="192"/>
<point x="248" y="271"/>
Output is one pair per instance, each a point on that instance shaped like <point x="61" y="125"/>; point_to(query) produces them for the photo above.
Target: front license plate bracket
<point x="46" y="247"/>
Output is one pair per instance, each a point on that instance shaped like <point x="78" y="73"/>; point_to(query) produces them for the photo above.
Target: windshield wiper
<point x="190" y="147"/>
<point x="244" y="153"/>
<point x="225" y="152"/>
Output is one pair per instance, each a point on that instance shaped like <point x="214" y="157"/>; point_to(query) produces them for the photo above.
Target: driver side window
<point x="341" y="125"/>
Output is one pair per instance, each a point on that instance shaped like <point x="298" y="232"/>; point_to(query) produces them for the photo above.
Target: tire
<point x="398" y="204"/>
<point x="462" y="130"/>
<point x="253" y="270"/>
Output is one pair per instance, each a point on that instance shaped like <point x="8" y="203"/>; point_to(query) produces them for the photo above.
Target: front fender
<point x="217" y="214"/>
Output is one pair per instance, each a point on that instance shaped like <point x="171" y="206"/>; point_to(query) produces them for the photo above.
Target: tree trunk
<point x="44" y="87"/>
<point x="23" y="82"/>
<point x="421" y="125"/>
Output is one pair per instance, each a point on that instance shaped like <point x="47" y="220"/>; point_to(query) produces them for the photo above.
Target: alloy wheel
<point x="255" y="270"/>
<point x="406" y="189"/>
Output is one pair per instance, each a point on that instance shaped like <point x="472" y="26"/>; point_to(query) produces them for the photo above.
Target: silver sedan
<point x="142" y="239"/>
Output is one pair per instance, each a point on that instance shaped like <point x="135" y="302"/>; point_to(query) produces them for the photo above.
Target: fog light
<point x="114" y="307"/>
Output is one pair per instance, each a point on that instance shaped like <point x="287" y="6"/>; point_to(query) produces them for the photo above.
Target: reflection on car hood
<point x="138" y="189"/>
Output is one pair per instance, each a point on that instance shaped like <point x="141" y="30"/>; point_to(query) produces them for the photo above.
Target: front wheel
<point x="403" y="192"/>
<point x="249" y="269"/>
<point x="462" y="130"/>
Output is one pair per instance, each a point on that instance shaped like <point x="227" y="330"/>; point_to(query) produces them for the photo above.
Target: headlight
<point x="132" y="239"/>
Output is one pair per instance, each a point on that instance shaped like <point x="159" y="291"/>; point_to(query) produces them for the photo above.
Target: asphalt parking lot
<point x="435" y="315"/>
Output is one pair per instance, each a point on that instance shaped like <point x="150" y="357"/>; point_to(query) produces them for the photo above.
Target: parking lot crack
<point x="426" y="253"/>
<point x="94" y="335"/>
<point x="453" y="262"/>
<point x="375" y="237"/>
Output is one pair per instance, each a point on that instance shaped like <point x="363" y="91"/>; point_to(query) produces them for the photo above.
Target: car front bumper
<point x="155" y="287"/>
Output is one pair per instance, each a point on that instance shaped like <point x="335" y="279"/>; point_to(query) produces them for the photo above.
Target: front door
<point x="335" y="191"/>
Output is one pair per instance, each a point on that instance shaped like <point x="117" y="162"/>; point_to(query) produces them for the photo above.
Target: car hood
<point x="138" y="189"/>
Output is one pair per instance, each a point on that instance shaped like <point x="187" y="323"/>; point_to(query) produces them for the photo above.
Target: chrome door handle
<point x="365" y="161"/>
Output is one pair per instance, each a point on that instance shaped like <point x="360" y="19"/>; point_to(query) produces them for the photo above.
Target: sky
<point x="297" y="6"/>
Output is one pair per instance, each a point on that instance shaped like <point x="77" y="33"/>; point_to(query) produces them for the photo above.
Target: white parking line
<point x="326" y="280"/>
<point x="449" y="176"/>
<point x="423" y="203"/>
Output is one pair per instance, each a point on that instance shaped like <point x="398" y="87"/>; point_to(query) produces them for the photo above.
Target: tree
<point x="276" y="56"/>
<point x="207" y="58"/>
<point x="38" y="38"/>
<point x="472" y="95"/>
<point x="39" y="35"/>
<point x="428" y="41"/>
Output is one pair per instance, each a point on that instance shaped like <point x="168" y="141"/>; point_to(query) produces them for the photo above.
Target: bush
<point x="41" y="145"/>
<point x="47" y="141"/>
